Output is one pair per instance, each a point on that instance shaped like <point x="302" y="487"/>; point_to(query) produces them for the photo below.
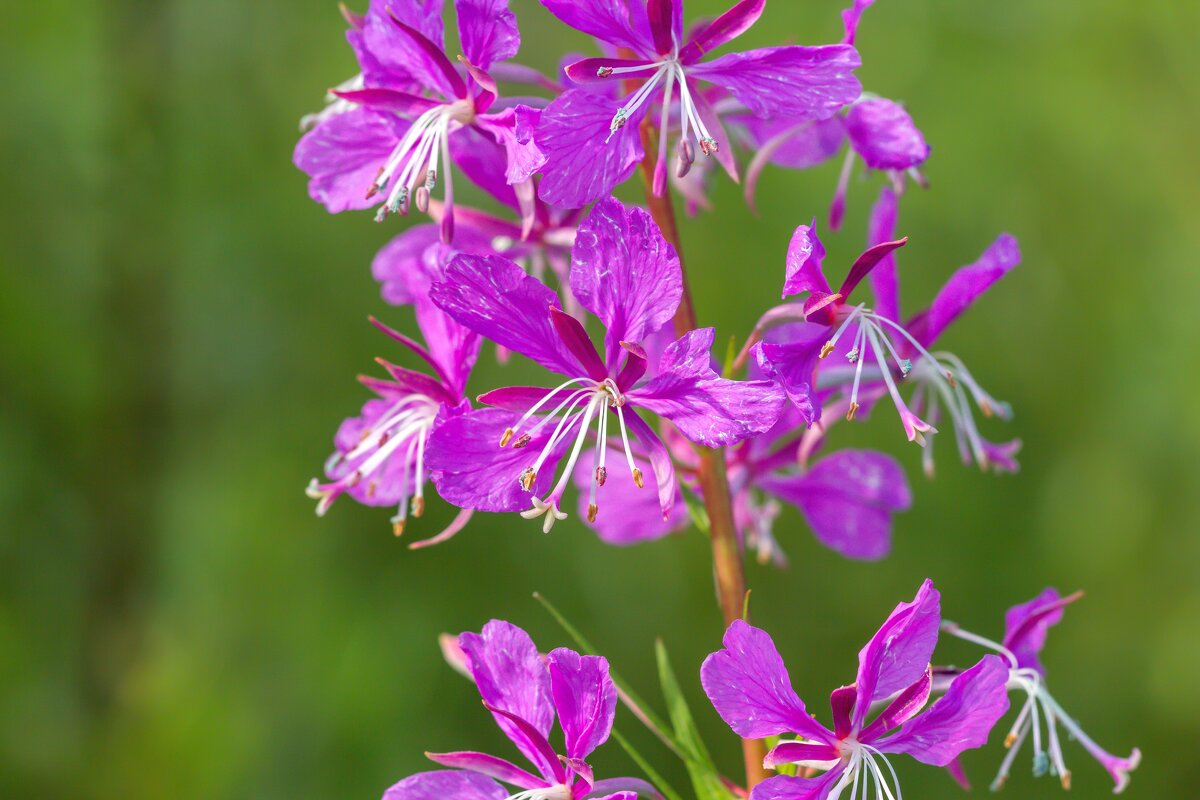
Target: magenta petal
<point x="886" y="137"/>
<point x="513" y="129"/>
<point x="792" y="365"/>
<point x="848" y="499"/>
<point x="959" y="720"/>
<point x="706" y="408"/>
<point x="585" y="698"/>
<point x="803" y="264"/>
<point x="408" y="264"/>
<point x="590" y="70"/>
<point x="618" y="22"/>
<point x="511" y="677"/>
<point x="964" y="287"/>
<point x="749" y="687"/>
<point x="342" y="156"/>
<point x="430" y="57"/>
<point x="441" y="784"/>
<point x="862" y="266"/>
<point x="852" y="16"/>
<point x="625" y="272"/>
<point x="627" y="515"/>
<point x="582" y="163"/>
<point x="793" y="752"/>
<point x="791" y="81"/>
<point x="471" y="469"/>
<point x="570" y="331"/>
<point x="484" y="160"/>
<point x="660" y="460"/>
<point x="1026" y="626"/>
<point x="487" y="30"/>
<point x="901" y="709"/>
<point x="881" y="227"/>
<point x="724" y="29"/>
<point x="786" y="787"/>
<point x="666" y="23"/>
<point x="899" y="652"/>
<point x="624" y="795"/>
<point x="491" y="766"/>
<point x="495" y="298"/>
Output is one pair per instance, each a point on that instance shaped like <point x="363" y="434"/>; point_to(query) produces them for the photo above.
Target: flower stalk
<point x="728" y="572"/>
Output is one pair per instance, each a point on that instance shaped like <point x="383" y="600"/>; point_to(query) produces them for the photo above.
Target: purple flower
<point x="847" y="497"/>
<point x="625" y="274"/>
<point x="827" y="323"/>
<point x="591" y="139"/>
<point x="382" y="456"/>
<point x="879" y="131"/>
<point x="413" y="112"/>
<point x="526" y="693"/>
<point x="749" y="687"/>
<point x="1025" y="630"/>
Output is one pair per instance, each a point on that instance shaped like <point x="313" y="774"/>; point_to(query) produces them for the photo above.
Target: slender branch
<point x="714" y="481"/>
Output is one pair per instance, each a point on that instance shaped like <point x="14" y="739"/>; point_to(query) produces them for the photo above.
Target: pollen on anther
<point x="852" y="411"/>
<point x="708" y="146"/>
<point x="507" y="437"/>
<point x="637" y="478"/>
<point x="418" y="506"/>
<point x="826" y="349"/>
<point x="593" y="510"/>
<point x="398" y="527"/>
<point x="521" y="441"/>
<point x="601" y="475"/>
<point x="603" y="72"/>
<point x="528" y="476"/>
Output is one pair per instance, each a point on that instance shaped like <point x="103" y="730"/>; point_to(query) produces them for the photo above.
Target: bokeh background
<point x="180" y="327"/>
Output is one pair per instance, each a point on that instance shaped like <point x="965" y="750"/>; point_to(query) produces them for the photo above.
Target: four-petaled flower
<point x="525" y="694"/>
<point x="628" y="276"/>
<point x="750" y="688"/>
<point x="416" y="112"/>
<point x="591" y="140"/>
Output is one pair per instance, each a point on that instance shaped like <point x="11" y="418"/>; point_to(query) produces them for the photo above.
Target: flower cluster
<point x="633" y="421"/>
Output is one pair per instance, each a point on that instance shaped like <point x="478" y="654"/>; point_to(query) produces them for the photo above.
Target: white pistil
<point x="597" y="399"/>
<point x="827" y="348"/>
<point x="414" y="163"/>
<point x="670" y="70"/>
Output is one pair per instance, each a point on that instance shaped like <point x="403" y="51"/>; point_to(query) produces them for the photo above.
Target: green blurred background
<point x="181" y="327"/>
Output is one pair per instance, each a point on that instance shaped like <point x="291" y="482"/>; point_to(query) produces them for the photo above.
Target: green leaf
<point x="706" y="780"/>
<point x="663" y="787"/>
<point x="632" y="701"/>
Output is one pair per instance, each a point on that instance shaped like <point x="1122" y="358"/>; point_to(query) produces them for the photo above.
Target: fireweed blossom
<point x="750" y="688"/>
<point x="847" y="497"/>
<point x="400" y="135"/>
<point x="625" y="274"/>
<point x="382" y="455"/>
<point x="525" y="694"/>
<point x="1025" y="629"/>
<point x="826" y="323"/>
<point x="879" y="132"/>
<point x="592" y="142"/>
